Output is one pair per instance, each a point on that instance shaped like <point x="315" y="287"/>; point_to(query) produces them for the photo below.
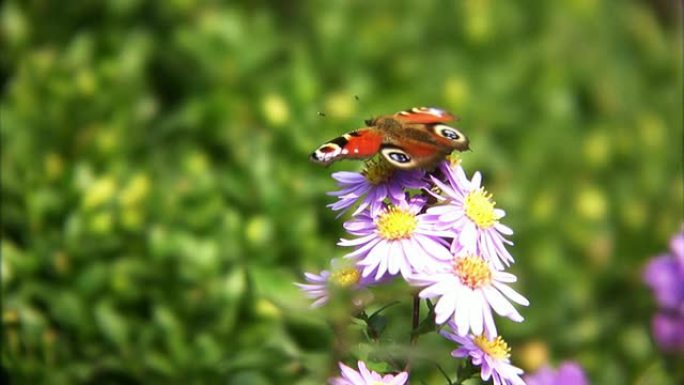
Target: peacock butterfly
<point x="413" y="138"/>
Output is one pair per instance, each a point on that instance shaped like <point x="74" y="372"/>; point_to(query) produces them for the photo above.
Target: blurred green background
<point x="157" y="200"/>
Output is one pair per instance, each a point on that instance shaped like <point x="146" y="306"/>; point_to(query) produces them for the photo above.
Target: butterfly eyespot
<point x="399" y="157"/>
<point x="448" y="133"/>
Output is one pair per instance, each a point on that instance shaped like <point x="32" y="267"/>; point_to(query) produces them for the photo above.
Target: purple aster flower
<point x="468" y="211"/>
<point x="319" y="287"/>
<point x="366" y="377"/>
<point x="668" y="331"/>
<point x="377" y="182"/>
<point x="568" y="373"/>
<point x="468" y="288"/>
<point x="396" y="238"/>
<point x="665" y="275"/>
<point x="492" y="355"/>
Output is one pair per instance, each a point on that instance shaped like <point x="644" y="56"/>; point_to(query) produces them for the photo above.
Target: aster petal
<point x="359" y="226"/>
<point x="365" y="373"/>
<point x="486" y="372"/>
<point x="512" y="294"/>
<point x="436" y="234"/>
<point x="476" y="181"/>
<point x="396" y="192"/>
<point x="350" y="373"/>
<point x="399" y="379"/>
<point x="489" y="325"/>
<point x="503" y="276"/>
<point x="451" y="193"/>
<point x="379" y="252"/>
<point x="364" y="249"/>
<point x="348" y="177"/>
<point x="405" y="269"/>
<point x="393" y="257"/>
<point x="352" y="191"/>
<point x="362" y="206"/>
<point x="432" y="248"/>
<point x="413" y="254"/>
<point x="440" y="287"/>
<point x="468" y="236"/>
<point x="367" y="271"/>
<point x="445" y="308"/>
<point x="476" y="309"/>
<point x="461" y="313"/>
<point x="488" y="252"/>
<point x="501" y="251"/>
<point x="503" y="229"/>
<point x="382" y="267"/>
<point x="408" y="258"/>
<point x="500" y="305"/>
<point x="356" y="241"/>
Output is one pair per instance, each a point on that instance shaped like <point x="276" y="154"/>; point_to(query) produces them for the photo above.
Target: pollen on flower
<point x="473" y="271"/>
<point x="479" y="207"/>
<point x="377" y="171"/>
<point x="497" y="348"/>
<point x="396" y="224"/>
<point x="345" y="277"/>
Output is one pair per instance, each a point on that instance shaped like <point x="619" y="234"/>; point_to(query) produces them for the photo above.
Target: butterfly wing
<point x="409" y="154"/>
<point x="420" y="139"/>
<point x="425" y="115"/>
<point x="422" y="145"/>
<point x="359" y="144"/>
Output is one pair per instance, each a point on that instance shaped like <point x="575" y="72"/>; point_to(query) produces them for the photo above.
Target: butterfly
<point x="413" y="138"/>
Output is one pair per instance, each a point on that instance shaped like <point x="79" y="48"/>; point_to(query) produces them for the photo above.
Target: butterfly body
<point x="415" y="138"/>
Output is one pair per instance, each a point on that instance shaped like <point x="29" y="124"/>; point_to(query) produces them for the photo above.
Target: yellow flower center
<point x="498" y="348"/>
<point x="396" y="224"/>
<point x="479" y="207"/>
<point x="378" y="171"/>
<point x="346" y="277"/>
<point x="473" y="271"/>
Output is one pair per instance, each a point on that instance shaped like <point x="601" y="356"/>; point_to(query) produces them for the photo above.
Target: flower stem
<point x="415" y="322"/>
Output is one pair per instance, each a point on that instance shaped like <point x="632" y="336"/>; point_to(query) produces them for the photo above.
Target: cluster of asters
<point x="440" y="232"/>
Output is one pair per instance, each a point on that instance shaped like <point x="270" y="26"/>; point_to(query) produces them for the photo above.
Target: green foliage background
<point x="157" y="200"/>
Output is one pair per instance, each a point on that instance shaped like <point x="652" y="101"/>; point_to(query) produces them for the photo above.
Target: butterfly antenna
<point x="321" y="114"/>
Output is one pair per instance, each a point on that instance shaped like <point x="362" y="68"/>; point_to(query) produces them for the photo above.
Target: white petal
<point x="503" y="229"/>
<point x="468" y="237"/>
<point x="461" y="314"/>
<point x="434" y="249"/>
<point x="376" y="254"/>
<point x="489" y="325"/>
<point x="441" y="287"/>
<point x="500" y="305"/>
<point x="356" y="241"/>
<point x="382" y="266"/>
<point x="393" y="257"/>
<point x="476" y="322"/>
<point x="502" y="276"/>
<point x="476" y="182"/>
<point x="512" y="294"/>
<point x="364" y="249"/>
<point x="444" y="309"/>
